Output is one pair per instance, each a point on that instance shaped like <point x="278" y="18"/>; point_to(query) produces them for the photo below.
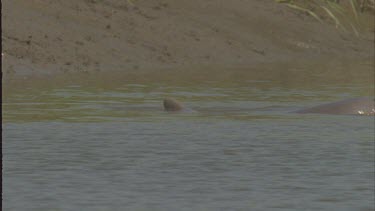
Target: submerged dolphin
<point x="172" y="105"/>
<point x="358" y="106"/>
<point x="361" y="106"/>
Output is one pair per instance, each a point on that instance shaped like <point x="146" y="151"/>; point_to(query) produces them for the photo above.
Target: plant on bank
<point x="353" y="15"/>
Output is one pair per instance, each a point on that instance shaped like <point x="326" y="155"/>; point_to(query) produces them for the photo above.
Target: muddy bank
<point x="49" y="39"/>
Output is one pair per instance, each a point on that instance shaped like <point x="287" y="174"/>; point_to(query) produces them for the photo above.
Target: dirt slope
<point x="49" y="37"/>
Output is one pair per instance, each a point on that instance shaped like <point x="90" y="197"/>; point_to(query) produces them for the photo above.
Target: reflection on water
<point x="253" y="99"/>
<point x="114" y="148"/>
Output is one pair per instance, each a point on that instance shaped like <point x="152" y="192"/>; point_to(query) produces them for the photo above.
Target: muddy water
<point x="82" y="147"/>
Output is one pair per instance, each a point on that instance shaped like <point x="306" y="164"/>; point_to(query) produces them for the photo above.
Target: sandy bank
<point x="47" y="37"/>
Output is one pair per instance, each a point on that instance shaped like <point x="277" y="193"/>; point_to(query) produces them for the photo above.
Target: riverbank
<point x="77" y="39"/>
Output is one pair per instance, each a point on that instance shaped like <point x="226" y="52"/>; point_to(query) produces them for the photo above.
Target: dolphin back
<point x="354" y="106"/>
<point x="172" y="105"/>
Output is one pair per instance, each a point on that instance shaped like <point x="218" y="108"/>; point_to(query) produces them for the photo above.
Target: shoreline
<point x="297" y="73"/>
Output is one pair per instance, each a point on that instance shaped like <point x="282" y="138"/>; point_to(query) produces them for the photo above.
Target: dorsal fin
<point x="172" y="105"/>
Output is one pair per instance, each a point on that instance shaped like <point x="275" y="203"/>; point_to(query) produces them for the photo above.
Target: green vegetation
<point x="348" y="15"/>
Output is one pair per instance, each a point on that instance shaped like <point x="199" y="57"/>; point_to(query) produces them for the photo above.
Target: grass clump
<point x="347" y="15"/>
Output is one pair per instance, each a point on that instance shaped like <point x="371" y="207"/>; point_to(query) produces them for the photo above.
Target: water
<point x="90" y="148"/>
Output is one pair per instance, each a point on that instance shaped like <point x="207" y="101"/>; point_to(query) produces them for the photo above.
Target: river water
<point x="94" y="148"/>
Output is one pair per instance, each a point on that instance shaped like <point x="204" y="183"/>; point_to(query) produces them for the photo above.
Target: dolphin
<point x="352" y="106"/>
<point x="172" y="105"/>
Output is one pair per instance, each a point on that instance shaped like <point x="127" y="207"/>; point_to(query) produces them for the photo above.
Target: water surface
<point x="98" y="148"/>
